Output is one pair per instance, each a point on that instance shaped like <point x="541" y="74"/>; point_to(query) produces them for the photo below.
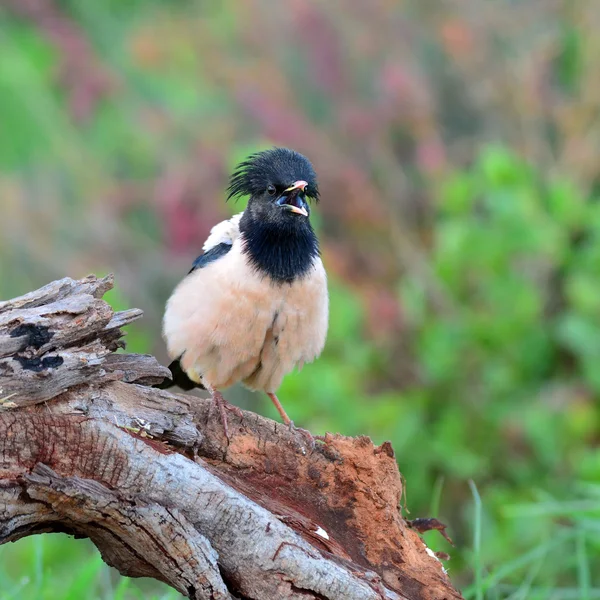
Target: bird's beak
<point x="298" y="185"/>
<point x="292" y="200"/>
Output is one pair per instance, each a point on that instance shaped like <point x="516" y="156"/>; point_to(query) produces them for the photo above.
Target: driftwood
<point x="87" y="447"/>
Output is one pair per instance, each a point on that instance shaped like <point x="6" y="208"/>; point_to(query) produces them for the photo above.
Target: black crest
<point x="277" y="166"/>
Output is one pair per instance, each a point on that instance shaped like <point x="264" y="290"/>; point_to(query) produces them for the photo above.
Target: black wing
<point x="178" y="378"/>
<point x="210" y="256"/>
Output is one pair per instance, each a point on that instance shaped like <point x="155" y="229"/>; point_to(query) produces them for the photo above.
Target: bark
<point x="87" y="447"/>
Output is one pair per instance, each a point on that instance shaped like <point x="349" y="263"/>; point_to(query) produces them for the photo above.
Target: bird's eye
<point x="271" y="190"/>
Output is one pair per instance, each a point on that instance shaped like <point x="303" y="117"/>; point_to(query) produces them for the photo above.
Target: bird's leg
<point x="286" y="419"/>
<point x="223" y="405"/>
<point x="219" y="402"/>
<point x="280" y="409"/>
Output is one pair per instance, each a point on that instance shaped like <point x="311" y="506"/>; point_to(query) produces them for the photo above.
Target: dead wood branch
<point x="86" y="447"/>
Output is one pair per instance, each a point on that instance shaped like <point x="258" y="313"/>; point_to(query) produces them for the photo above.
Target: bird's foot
<point x="304" y="432"/>
<point x="307" y="434"/>
<point x="219" y="402"/>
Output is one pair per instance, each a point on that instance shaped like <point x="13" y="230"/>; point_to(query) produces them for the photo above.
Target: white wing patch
<point x="225" y="232"/>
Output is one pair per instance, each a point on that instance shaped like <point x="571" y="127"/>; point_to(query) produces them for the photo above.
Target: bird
<point x="255" y="304"/>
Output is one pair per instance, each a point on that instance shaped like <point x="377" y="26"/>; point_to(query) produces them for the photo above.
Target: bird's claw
<point x="236" y="410"/>
<point x="304" y="432"/>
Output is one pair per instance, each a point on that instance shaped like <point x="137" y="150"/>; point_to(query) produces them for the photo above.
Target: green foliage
<point x="137" y="337"/>
<point x="511" y="365"/>
<point x="17" y="71"/>
<point x="54" y="567"/>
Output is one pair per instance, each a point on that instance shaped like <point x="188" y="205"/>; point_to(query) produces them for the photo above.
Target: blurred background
<point x="457" y="146"/>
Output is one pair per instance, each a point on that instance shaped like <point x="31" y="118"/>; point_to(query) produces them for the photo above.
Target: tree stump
<point x="88" y="447"/>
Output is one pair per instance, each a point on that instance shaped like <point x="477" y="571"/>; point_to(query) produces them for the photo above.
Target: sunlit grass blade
<point x="6" y="580"/>
<point x="477" y="541"/>
<point x="122" y="588"/>
<point x="583" y="565"/>
<point x="553" y="509"/>
<point x="171" y="595"/>
<point x="38" y="549"/>
<point x="543" y="593"/>
<point x="518" y="563"/>
<point x="16" y="590"/>
<point x="85" y="579"/>
<point x="524" y="590"/>
<point x="436" y="497"/>
<point x="590" y="525"/>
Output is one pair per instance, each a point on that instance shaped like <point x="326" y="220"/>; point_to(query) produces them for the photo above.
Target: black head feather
<point x="278" y="241"/>
<point x="277" y="166"/>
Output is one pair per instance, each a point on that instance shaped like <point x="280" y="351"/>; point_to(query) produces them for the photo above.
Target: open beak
<point x="298" y="185"/>
<point x="293" y="201"/>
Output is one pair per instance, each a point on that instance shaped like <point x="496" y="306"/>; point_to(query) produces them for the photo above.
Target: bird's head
<point x="275" y="227"/>
<point x="279" y="182"/>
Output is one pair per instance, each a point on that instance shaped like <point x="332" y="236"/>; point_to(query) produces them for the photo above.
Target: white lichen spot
<point x="320" y="531"/>
<point x="432" y="554"/>
<point x="143" y="424"/>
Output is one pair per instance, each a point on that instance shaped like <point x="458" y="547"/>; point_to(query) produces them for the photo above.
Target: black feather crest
<point x="277" y="166"/>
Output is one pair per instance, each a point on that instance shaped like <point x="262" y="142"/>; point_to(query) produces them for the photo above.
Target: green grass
<point x="58" y="567"/>
<point x="477" y="566"/>
<point x="568" y="540"/>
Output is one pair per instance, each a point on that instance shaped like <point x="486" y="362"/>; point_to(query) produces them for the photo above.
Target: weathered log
<point x="86" y="447"/>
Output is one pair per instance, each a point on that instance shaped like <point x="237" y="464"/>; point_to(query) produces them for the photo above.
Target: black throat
<point x="284" y="250"/>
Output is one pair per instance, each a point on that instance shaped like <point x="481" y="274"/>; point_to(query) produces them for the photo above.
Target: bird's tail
<point x="178" y="378"/>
